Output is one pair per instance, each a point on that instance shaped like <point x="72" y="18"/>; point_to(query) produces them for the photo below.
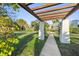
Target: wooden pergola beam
<point x="72" y="11"/>
<point x="29" y="4"/>
<point x="52" y="17"/>
<point x="23" y="5"/>
<point x="56" y="17"/>
<point x="55" y="13"/>
<point x="46" y="19"/>
<point x="60" y="14"/>
<point x="58" y="8"/>
<point x="44" y="6"/>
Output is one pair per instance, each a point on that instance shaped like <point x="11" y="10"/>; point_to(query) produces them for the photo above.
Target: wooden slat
<point x="44" y="6"/>
<point x="53" y="18"/>
<point x="54" y="13"/>
<point x="61" y="16"/>
<point x="58" y="8"/>
<point x="72" y="11"/>
<point x="46" y="19"/>
<point x="29" y="10"/>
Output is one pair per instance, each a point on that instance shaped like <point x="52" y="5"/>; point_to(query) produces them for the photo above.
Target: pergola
<point x="54" y="13"/>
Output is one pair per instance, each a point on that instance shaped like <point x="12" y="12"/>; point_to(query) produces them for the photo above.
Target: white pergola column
<point x="41" y="30"/>
<point x="64" y="32"/>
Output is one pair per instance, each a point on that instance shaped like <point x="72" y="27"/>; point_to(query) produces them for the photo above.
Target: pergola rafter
<point x="54" y="13"/>
<point x="72" y="11"/>
<point x="57" y="12"/>
<point x="27" y="4"/>
<point x="44" y="6"/>
<point x="53" y="16"/>
<point x="29" y="10"/>
<point x="58" y="8"/>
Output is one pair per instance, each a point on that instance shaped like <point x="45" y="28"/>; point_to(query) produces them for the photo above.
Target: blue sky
<point x="23" y="14"/>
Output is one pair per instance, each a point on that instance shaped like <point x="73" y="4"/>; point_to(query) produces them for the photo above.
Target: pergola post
<point x="64" y="32"/>
<point x="41" y="30"/>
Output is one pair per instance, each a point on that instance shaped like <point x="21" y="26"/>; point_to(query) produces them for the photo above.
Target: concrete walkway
<point x="50" y="48"/>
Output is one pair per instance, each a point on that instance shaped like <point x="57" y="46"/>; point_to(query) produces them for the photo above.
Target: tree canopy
<point x="7" y="28"/>
<point x="22" y="23"/>
<point x="35" y="25"/>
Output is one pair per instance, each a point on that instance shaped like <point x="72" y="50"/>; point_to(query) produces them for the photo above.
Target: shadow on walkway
<point x="38" y="46"/>
<point x="22" y="43"/>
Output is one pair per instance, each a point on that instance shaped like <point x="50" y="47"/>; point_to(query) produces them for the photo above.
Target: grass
<point x="29" y="45"/>
<point x="71" y="49"/>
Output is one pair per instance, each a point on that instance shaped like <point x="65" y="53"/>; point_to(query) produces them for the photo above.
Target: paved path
<point x="50" y="48"/>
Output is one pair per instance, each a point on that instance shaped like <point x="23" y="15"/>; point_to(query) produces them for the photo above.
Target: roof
<point x="55" y="13"/>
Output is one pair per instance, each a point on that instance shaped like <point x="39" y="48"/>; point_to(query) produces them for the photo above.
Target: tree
<point x="7" y="38"/>
<point x="35" y="25"/>
<point x="56" y="25"/>
<point x="15" y="6"/>
<point x="7" y="28"/>
<point x="22" y="23"/>
<point x="4" y="11"/>
<point x="55" y="21"/>
<point x="74" y="26"/>
<point x="46" y="26"/>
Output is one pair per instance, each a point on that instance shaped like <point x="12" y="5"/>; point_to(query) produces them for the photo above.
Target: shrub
<point x="74" y="30"/>
<point x="7" y="38"/>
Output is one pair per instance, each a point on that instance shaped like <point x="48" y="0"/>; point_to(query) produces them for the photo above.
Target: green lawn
<point x="29" y="45"/>
<point x="71" y="49"/>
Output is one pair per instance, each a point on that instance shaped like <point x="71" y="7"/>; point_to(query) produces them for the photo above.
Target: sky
<point x="23" y="14"/>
